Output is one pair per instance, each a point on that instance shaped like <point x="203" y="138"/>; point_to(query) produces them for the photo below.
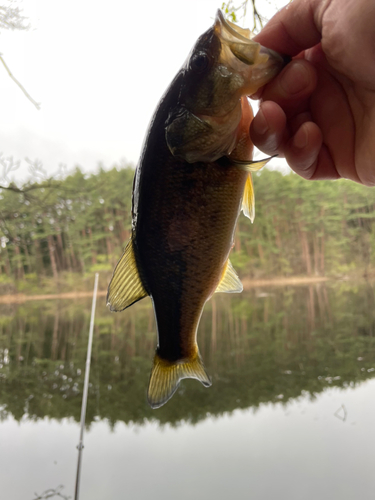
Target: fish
<point x="190" y="184"/>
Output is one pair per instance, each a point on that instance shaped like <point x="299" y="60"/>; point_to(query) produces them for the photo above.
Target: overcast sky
<point x="98" y="69"/>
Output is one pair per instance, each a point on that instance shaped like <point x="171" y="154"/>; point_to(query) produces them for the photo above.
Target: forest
<point x="53" y="231"/>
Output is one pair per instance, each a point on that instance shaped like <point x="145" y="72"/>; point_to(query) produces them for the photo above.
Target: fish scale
<point x="191" y="182"/>
<point x="194" y="270"/>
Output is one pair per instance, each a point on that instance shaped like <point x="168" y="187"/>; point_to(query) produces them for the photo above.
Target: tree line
<point x="81" y="224"/>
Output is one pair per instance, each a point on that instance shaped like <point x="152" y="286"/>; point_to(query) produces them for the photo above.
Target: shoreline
<point x="20" y="298"/>
<point x="248" y="284"/>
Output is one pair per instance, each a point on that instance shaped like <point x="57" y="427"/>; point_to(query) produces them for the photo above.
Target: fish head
<point x="224" y="65"/>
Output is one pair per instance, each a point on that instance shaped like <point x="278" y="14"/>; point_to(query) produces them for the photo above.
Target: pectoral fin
<point x="230" y="282"/>
<point x="166" y="376"/>
<point x="251" y="166"/>
<point x="248" y="200"/>
<point x="126" y="286"/>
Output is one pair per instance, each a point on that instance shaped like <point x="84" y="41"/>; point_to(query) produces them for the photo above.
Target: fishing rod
<point x="86" y="389"/>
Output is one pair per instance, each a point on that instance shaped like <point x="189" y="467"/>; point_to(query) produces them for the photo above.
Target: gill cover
<point x="224" y="65"/>
<point x="194" y="139"/>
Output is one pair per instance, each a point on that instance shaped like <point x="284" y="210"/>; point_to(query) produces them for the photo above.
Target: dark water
<point x="290" y="413"/>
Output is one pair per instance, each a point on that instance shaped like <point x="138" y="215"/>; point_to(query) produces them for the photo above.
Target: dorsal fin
<point x="126" y="286"/>
<point x="166" y="376"/>
<point x="230" y="282"/>
<point x="248" y="200"/>
<point x="251" y="166"/>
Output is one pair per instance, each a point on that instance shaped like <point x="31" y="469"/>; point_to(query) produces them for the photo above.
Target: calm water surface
<point x="290" y="414"/>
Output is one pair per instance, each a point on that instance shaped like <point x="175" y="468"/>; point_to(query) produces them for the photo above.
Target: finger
<point x="334" y="115"/>
<point x="325" y="168"/>
<point x="294" y="28"/>
<point x="292" y="87"/>
<point x="297" y="121"/>
<point x="268" y="129"/>
<point x="307" y="156"/>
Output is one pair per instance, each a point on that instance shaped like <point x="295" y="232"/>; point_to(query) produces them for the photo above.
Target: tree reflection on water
<point x="270" y="345"/>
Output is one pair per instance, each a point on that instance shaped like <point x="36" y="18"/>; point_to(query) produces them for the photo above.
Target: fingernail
<point x="295" y="78"/>
<point x="261" y="125"/>
<point x="300" y="139"/>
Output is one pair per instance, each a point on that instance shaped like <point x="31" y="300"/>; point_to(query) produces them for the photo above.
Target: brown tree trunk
<point x="38" y="259"/>
<point x="60" y="253"/>
<point x="277" y="236"/>
<point x="316" y="254"/>
<point x="68" y="260"/>
<point x="73" y="258"/>
<point x="6" y="262"/>
<point x="322" y="245"/>
<point x="93" y="251"/>
<point x="51" y="249"/>
<point x="109" y="245"/>
<point x="305" y="248"/>
<point x="19" y="271"/>
<point x="260" y="251"/>
<point x="322" y="261"/>
<point x="28" y="258"/>
<point x="124" y="234"/>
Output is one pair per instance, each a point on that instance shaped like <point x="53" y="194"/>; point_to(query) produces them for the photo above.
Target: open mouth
<point x="238" y="41"/>
<point x="230" y="29"/>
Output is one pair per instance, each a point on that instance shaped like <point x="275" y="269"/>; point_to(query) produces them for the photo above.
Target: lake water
<point x="290" y="414"/>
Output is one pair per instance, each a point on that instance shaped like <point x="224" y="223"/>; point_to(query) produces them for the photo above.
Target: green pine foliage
<point x="81" y="224"/>
<point x="321" y="228"/>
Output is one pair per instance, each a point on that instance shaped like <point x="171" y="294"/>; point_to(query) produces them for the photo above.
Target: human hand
<point x="319" y="112"/>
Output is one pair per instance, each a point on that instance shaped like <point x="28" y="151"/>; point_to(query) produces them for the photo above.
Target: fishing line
<point x="86" y="388"/>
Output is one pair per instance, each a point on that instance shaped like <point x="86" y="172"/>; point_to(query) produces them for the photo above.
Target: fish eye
<point x="199" y="62"/>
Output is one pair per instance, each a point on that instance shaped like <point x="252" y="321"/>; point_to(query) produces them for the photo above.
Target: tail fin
<point x="166" y="376"/>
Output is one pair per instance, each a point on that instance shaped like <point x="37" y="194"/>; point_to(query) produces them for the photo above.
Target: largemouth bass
<point x="192" y="179"/>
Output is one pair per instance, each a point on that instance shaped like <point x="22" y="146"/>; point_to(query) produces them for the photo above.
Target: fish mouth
<point x="255" y="63"/>
<point x="229" y="30"/>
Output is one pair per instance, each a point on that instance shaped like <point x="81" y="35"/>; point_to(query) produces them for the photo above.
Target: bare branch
<point x="36" y="104"/>
<point x="11" y="18"/>
<point x="239" y="13"/>
<point x="12" y="187"/>
<point x="257" y="16"/>
<point x="27" y="189"/>
<point x="41" y="189"/>
<point x="232" y="11"/>
<point x="36" y="168"/>
<point x="9" y="165"/>
<point x="51" y="494"/>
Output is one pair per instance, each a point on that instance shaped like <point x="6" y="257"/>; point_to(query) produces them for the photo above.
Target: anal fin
<point x="248" y="200"/>
<point x="126" y="286"/>
<point x="230" y="282"/>
<point x="166" y="376"/>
